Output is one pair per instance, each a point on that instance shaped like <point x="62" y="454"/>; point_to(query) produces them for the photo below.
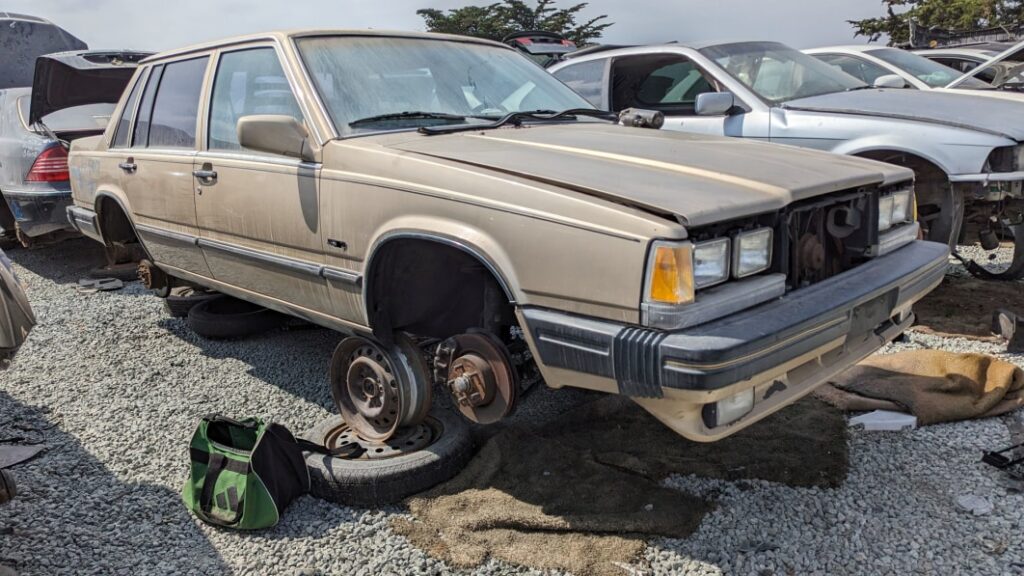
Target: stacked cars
<point x="453" y="226"/>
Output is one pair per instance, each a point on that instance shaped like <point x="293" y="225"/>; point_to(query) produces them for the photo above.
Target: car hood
<point x="993" y="116"/>
<point x="72" y="79"/>
<point x="695" y="178"/>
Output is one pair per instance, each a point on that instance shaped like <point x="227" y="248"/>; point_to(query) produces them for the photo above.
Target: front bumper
<point x="41" y="209"/>
<point x="798" y="340"/>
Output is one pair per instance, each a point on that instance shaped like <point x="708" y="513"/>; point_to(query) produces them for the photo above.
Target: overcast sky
<point x="163" y="24"/>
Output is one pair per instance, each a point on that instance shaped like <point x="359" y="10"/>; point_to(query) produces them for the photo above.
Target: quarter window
<point x="140" y="136"/>
<point x="176" y="107"/>
<point x="123" y="130"/>
<point x="586" y="78"/>
<point x="248" y="82"/>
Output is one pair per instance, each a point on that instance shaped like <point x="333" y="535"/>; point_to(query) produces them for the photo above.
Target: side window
<point x="586" y="78"/>
<point x="123" y="130"/>
<point x="665" y="82"/>
<point x="140" y="136"/>
<point x="176" y="107"/>
<point x="863" y="70"/>
<point x="248" y="82"/>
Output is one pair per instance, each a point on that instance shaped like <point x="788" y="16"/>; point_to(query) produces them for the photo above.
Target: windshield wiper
<point x="412" y="115"/>
<point x="516" y="118"/>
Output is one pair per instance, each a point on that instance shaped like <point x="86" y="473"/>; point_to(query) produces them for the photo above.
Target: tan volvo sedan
<point x="466" y="219"/>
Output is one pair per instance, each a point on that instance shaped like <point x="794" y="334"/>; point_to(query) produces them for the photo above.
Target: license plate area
<point x="867" y="316"/>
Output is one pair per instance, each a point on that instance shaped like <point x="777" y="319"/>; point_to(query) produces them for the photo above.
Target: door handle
<point x="205" y="177"/>
<point x="130" y="167"/>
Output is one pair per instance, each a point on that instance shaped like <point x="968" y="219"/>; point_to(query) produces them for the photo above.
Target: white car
<point x="1002" y="70"/>
<point x="893" y="68"/>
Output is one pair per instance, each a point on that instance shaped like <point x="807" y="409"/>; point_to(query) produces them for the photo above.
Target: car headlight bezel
<point x="738" y="251"/>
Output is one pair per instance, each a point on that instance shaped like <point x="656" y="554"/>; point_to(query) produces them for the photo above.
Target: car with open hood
<point x="72" y="95"/>
<point x="466" y="219"/>
<point x="966" y="151"/>
<point x="999" y="66"/>
<point x="895" y="68"/>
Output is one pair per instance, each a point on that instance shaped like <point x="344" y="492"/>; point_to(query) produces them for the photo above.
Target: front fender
<point x="460" y="235"/>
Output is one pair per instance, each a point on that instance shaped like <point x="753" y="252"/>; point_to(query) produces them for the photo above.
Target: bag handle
<point x="350" y="451"/>
<point x="216" y="463"/>
<point x="220" y="418"/>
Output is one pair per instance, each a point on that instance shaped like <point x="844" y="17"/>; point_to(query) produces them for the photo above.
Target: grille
<point x="827" y="236"/>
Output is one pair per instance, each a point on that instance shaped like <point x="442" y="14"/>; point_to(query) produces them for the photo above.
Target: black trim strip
<point x="327" y="272"/>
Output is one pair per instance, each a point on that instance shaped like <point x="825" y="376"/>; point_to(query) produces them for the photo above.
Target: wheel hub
<point x="479" y="375"/>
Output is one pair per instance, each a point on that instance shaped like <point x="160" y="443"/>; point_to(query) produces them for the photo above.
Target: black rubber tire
<point x="372" y="483"/>
<point x="225" y="317"/>
<point x="128" y="272"/>
<point x="181" y="300"/>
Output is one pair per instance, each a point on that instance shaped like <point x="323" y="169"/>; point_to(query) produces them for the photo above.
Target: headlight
<point x="753" y="252"/>
<point x="895" y="209"/>
<point x="670" y="275"/>
<point x="711" y="262"/>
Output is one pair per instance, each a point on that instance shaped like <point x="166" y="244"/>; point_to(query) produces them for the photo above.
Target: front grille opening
<point x="826" y="236"/>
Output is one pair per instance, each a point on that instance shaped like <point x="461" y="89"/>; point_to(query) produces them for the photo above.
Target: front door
<point x="258" y="213"/>
<point x="156" y="163"/>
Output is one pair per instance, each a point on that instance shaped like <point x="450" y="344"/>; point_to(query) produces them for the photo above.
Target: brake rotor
<point x="379" y="391"/>
<point x="480" y="377"/>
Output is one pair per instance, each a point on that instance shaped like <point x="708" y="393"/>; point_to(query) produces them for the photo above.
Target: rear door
<point x="258" y="213"/>
<point x="156" y="162"/>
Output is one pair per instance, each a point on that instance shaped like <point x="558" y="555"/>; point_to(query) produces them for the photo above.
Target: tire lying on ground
<point x="226" y="317"/>
<point x="414" y="460"/>
<point x="181" y="300"/>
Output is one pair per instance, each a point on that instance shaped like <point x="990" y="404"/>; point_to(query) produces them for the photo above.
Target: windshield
<point x="928" y="71"/>
<point x="778" y="73"/>
<point x="374" y="84"/>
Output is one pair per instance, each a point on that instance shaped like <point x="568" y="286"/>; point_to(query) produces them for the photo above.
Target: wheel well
<point x="114" y="224"/>
<point x="431" y="289"/>
<point x="930" y="180"/>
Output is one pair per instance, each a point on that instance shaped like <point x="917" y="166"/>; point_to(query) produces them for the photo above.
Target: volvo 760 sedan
<point x="463" y="217"/>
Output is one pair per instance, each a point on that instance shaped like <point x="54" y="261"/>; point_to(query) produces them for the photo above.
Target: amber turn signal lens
<point x="672" y="274"/>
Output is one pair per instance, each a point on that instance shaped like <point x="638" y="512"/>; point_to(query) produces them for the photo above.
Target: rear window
<point x="171" y="121"/>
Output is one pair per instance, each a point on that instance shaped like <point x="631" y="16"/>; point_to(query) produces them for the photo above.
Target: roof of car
<point x="283" y="35"/>
<point x="848" y="48"/>
<point x="23" y="17"/>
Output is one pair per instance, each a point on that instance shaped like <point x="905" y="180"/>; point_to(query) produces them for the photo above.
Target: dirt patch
<point x="963" y="307"/>
<point x="583" y="493"/>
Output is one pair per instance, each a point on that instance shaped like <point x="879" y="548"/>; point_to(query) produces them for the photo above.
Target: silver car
<point x="73" y="97"/>
<point x="965" y="150"/>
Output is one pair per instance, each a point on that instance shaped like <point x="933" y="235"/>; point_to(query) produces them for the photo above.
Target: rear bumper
<point x="84" y="221"/>
<point x="817" y="331"/>
<point x="39" y="209"/>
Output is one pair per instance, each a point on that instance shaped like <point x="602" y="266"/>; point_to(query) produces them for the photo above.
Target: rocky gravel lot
<point x="113" y="387"/>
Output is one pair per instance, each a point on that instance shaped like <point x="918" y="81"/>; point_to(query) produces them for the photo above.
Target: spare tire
<point x="183" y="299"/>
<point x="226" y="317"/>
<point x="384" y="473"/>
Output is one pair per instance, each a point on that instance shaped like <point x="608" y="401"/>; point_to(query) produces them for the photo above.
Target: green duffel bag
<point x="245" y="473"/>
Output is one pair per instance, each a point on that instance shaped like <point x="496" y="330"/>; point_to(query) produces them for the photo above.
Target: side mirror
<point x="276" y="134"/>
<point x="889" y="81"/>
<point x="714" y="103"/>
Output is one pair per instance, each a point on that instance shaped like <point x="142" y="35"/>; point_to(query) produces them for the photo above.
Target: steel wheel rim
<point x="405" y="441"/>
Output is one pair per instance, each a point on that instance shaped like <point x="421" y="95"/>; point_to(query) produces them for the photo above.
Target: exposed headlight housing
<point x="895" y="208"/>
<point x="711" y="262"/>
<point x="752" y="252"/>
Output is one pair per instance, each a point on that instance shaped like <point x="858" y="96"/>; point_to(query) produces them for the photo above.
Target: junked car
<point x="903" y="69"/>
<point x="72" y="96"/>
<point x="966" y="152"/>
<point x="1003" y="68"/>
<point x="451" y="208"/>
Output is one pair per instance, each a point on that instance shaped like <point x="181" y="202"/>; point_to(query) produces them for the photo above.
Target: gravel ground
<point x="113" y="387"/>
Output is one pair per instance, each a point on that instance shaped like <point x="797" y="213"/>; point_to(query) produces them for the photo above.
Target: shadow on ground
<point x="69" y="515"/>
